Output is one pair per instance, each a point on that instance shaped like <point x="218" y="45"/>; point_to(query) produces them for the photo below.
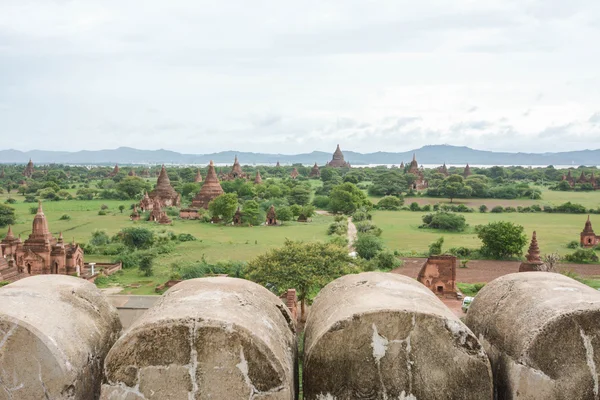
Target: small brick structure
<point x="439" y="275"/>
<point x="588" y="238"/>
<point x="290" y="299"/>
<point x="189" y="213"/>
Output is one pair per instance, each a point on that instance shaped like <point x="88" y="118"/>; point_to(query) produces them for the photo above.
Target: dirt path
<point x="351" y="233"/>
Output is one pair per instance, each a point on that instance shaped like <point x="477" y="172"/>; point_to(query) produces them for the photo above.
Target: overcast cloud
<point x="276" y="76"/>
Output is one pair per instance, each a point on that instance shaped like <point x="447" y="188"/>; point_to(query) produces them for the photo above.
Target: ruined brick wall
<point x="439" y="275"/>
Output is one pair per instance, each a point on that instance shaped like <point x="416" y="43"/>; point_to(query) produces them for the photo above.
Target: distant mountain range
<point x="435" y="154"/>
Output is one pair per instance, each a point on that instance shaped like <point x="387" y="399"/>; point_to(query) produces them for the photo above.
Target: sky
<point x="289" y="77"/>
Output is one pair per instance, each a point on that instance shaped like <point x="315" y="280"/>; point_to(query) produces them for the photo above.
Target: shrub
<point x="582" y="256"/>
<point x="445" y="220"/>
<point x="284" y="214"/>
<point x="186" y="237"/>
<point x="536" y="208"/>
<point x="571" y="208"/>
<point x="30" y="199"/>
<point x="483" y="208"/>
<point x="361" y="215"/>
<point x="435" y="248"/>
<point x="101" y="212"/>
<point x="414" y="206"/>
<point x="10" y="200"/>
<point x="65" y="217"/>
<point x="202" y="268"/>
<point x="101" y="281"/>
<point x="33" y="210"/>
<point x="146" y="264"/>
<point x="337" y="228"/>
<point x="510" y="209"/>
<point x="99" y="238"/>
<point x="368" y="246"/>
<point x="137" y="237"/>
<point x="392" y="203"/>
<point x="368" y="227"/>
<point x="498" y="209"/>
<point x="426" y="207"/>
<point x="461" y="251"/>
<point x="573" y="244"/>
<point x="104" y="207"/>
<point x="386" y="261"/>
<point x="341" y="241"/>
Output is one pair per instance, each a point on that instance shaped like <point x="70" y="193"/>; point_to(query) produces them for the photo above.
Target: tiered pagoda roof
<point x="210" y="189"/>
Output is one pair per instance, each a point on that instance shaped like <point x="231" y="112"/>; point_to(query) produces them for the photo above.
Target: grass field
<point x="214" y="242"/>
<point x="401" y="230"/>
<point x="549" y="197"/>
<point x="217" y="242"/>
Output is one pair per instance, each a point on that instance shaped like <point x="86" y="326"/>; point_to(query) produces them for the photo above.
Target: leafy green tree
<point x="251" y="213"/>
<point x="121" y="208"/>
<point x="501" y="239"/>
<point x="224" y="206"/>
<point x="132" y="186"/>
<point x="368" y="246"/>
<point x="454" y="186"/>
<point x="300" y="195"/>
<point x="445" y="220"/>
<point x="284" y="214"/>
<point x="99" y="238"/>
<point x="304" y="266"/>
<point x="388" y="183"/>
<point x="7" y="215"/>
<point x="147" y="264"/>
<point x="189" y="189"/>
<point x="390" y="203"/>
<point x="328" y="174"/>
<point x="347" y="198"/>
<point x="137" y="237"/>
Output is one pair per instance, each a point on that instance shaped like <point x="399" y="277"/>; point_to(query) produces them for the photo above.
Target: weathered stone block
<point x="55" y="332"/>
<point x="542" y="333"/>
<point x="386" y="336"/>
<point x="209" y="338"/>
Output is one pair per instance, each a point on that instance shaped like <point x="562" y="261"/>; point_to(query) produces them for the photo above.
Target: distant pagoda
<point x="467" y="171"/>
<point x="315" y="172"/>
<point x="443" y="170"/>
<point x="114" y="172"/>
<point x="338" y="159"/>
<point x="210" y="189"/>
<point x="198" y="177"/>
<point x="294" y="174"/>
<point x="164" y="192"/>
<point x="28" y="172"/>
<point x="257" y="178"/>
<point x="534" y="262"/>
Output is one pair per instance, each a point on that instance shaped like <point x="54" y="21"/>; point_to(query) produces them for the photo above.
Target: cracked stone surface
<point x="542" y="333"/>
<point x="55" y="331"/>
<point x="385" y="336"/>
<point x="208" y="338"/>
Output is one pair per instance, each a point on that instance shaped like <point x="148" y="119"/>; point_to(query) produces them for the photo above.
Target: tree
<point x="328" y="174"/>
<point x="300" y="195"/>
<point x="137" y="237"/>
<point x="347" y="198"/>
<point x="501" y="239"/>
<point x="7" y="215"/>
<point x="189" y="189"/>
<point x="390" y="203"/>
<point x="132" y="186"/>
<point x="224" y="206"/>
<point x="368" y="246"/>
<point x="121" y="208"/>
<point x="388" y="183"/>
<point x="99" y="238"/>
<point x="454" y="186"/>
<point x="304" y="266"/>
<point x="147" y="264"/>
<point x="251" y="214"/>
